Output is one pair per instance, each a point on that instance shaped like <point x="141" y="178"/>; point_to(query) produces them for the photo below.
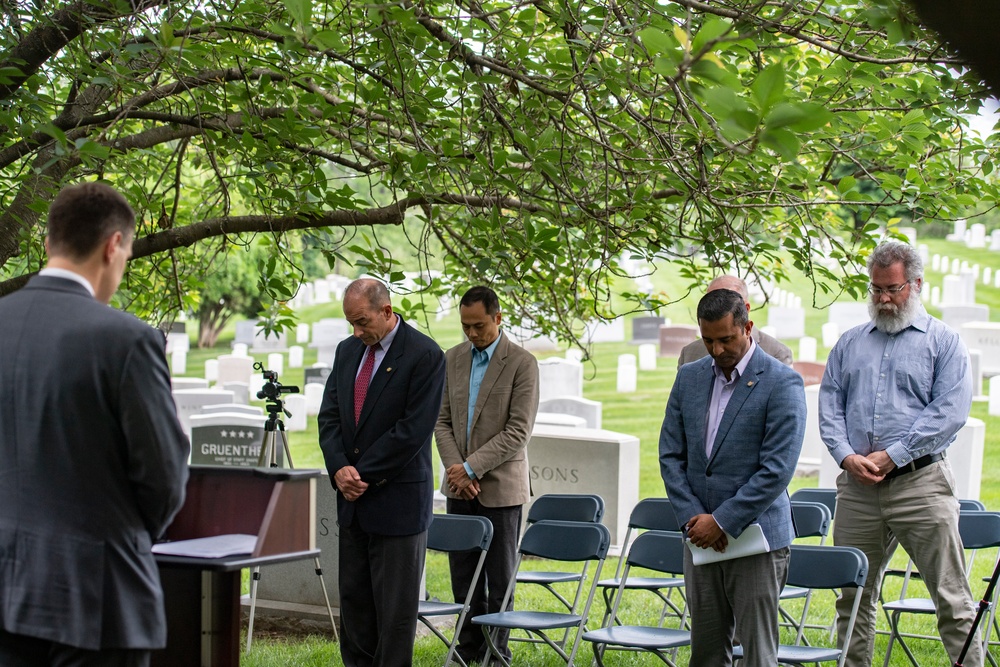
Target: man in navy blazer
<point x="93" y="462"/>
<point x="375" y="425"/>
<point x="730" y="441"/>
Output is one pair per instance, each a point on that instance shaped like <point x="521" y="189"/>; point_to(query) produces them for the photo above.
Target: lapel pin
<point x="750" y="383"/>
<point x="388" y="369"/>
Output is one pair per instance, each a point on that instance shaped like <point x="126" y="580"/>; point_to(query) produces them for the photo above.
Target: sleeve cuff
<point x="468" y="470"/>
<point x="899" y="454"/>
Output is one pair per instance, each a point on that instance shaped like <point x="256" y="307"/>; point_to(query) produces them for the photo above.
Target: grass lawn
<point x="638" y="414"/>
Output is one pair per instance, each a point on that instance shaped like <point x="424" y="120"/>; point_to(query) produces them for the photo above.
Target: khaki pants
<point x="918" y="510"/>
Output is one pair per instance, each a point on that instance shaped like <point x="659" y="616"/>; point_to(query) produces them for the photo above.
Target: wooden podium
<point x="202" y="595"/>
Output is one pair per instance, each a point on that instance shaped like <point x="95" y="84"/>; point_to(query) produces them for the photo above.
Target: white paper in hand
<point x="750" y="543"/>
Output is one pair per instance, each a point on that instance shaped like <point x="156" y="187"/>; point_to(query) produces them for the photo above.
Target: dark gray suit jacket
<point x="696" y="350"/>
<point x="93" y="466"/>
<point x="754" y="454"/>
<point x="391" y="444"/>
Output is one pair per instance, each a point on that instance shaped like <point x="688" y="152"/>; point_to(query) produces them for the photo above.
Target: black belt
<point x="915" y="464"/>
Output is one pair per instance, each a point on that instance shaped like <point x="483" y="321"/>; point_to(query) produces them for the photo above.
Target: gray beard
<point x="890" y="319"/>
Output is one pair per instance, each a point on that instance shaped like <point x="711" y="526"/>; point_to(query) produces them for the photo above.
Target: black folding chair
<point x="653" y="550"/>
<point x="648" y="514"/>
<point x="562" y="541"/>
<point x="453" y="533"/>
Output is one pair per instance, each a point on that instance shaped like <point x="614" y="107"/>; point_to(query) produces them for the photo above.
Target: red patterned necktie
<point x="363" y="380"/>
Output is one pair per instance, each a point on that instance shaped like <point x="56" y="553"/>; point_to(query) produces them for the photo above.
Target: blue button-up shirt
<point x="907" y="394"/>
<point x="480" y="362"/>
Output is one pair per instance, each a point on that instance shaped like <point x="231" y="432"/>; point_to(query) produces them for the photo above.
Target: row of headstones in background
<point x="628" y="369"/>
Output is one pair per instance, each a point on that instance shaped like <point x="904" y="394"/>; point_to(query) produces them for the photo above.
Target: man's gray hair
<point x="893" y="252"/>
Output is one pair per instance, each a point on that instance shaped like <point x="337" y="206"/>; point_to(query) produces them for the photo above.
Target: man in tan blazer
<point x="488" y="411"/>
<point x="696" y="350"/>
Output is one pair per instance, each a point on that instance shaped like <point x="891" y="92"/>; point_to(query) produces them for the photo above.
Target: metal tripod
<point x="269" y="458"/>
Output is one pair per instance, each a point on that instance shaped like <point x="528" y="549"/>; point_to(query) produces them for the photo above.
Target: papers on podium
<point x="750" y="543"/>
<point x="216" y="546"/>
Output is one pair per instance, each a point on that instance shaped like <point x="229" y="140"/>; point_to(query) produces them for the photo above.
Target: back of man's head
<point x="730" y="283"/>
<point x="718" y="303"/>
<point x="83" y="216"/>
<point x="484" y="295"/>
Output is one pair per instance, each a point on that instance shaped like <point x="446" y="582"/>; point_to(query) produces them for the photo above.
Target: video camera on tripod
<point x="271" y="392"/>
<point x="272" y="389"/>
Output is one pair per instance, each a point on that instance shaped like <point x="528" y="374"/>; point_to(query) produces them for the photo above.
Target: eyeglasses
<point x="891" y="291"/>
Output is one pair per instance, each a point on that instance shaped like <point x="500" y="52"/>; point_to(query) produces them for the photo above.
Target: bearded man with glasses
<point x="895" y="393"/>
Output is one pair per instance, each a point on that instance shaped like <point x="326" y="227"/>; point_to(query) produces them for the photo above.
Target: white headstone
<point x="611" y="331"/>
<point x="831" y="334"/>
<point x="241" y="391"/>
<point x="245" y="330"/>
<point x="628" y="373"/>
<point x="559" y="377"/>
<point x="788" y="322"/>
<point x="956" y="316"/>
<point x="240" y="350"/>
<point x="314" y="398"/>
<point x="985" y="337"/>
<point x="302" y="334"/>
<point x="994" y="406"/>
<point x="329" y="332"/>
<point x="296" y="404"/>
<point x="945" y="264"/>
<point x="272" y="342"/>
<point x="910" y="233"/>
<point x="276" y="362"/>
<point x="211" y="370"/>
<point x="295" y="356"/>
<point x="995" y="239"/>
<point x="531" y="340"/>
<point x="559" y="419"/>
<point x="580" y="460"/>
<point x="976" y="371"/>
<point x="321" y="291"/>
<point x="574" y="354"/>
<point x="188" y="383"/>
<point x="935" y="262"/>
<point x="770" y="331"/>
<point x="647" y="357"/>
<point x="807" y="348"/>
<point x="954" y="291"/>
<point x="190" y="402"/>
<point x="959" y="232"/>
<point x="590" y="411"/>
<point x="177" y="340"/>
<point x="956" y="266"/>
<point x="978" y="236"/>
<point x="813" y="450"/>
<point x="936" y="296"/>
<point x="848" y="314"/>
<point x="234" y="368"/>
<point x="237" y="408"/>
<point x="925" y="293"/>
<point x="178" y="362"/>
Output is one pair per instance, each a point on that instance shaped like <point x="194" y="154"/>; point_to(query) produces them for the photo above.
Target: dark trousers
<point x="379" y="593"/>
<point x="21" y="651"/>
<point x="497" y="573"/>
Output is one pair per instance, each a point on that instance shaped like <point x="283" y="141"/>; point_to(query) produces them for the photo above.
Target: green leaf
<point x="846" y="183"/>
<point x="713" y="28"/>
<point x="800" y="117"/>
<point x="769" y="87"/>
<point x="301" y="11"/>
<point x="657" y="42"/>
<point x="782" y="141"/>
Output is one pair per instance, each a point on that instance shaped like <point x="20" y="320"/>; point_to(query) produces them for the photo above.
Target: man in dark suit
<point x="94" y="461"/>
<point x="490" y="401"/>
<point x="375" y="425"/>
<point x="696" y="350"/>
<point x="730" y="441"/>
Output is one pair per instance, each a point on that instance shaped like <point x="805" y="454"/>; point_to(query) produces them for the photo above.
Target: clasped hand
<point x="349" y="483"/>
<point x="704" y="532"/>
<point x="460" y="483"/>
<point x="868" y="470"/>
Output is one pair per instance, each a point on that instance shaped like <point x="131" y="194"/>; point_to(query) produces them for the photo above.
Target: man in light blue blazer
<point x="728" y="448"/>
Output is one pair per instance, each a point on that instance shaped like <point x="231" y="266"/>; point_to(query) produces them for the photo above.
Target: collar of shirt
<point x="921" y="321"/>
<point x="741" y="367"/>
<point x="389" y="337"/>
<point x="477" y="355"/>
<point x="68" y="275"/>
